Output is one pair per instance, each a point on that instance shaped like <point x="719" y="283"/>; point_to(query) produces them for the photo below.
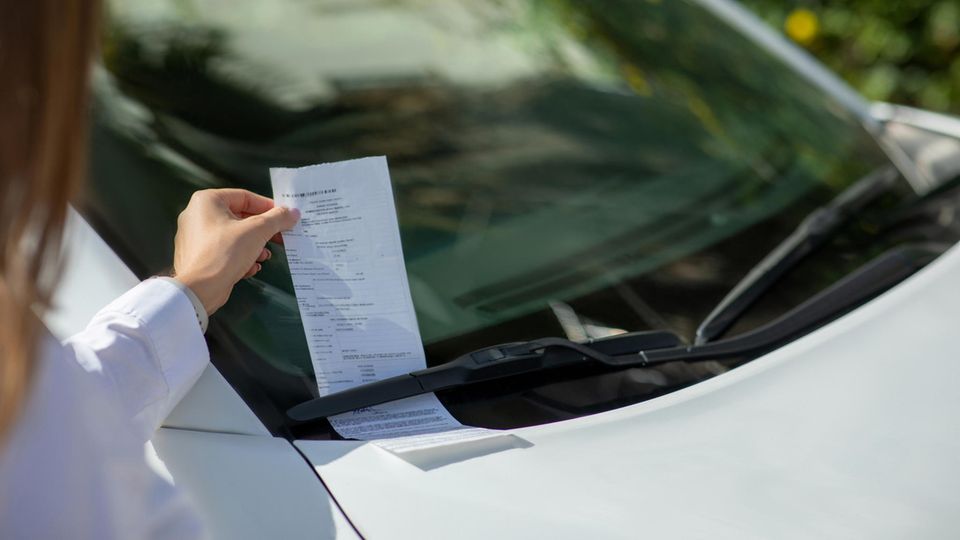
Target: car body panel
<point x="250" y="487"/>
<point x="849" y="431"/>
<point x="213" y="405"/>
<point x="932" y="140"/>
<point x="943" y="124"/>
<point x="92" y="277"/>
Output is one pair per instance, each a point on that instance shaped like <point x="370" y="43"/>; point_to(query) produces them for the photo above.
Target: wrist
<point x="198" y="307"/>
<point x="201" y="290"/>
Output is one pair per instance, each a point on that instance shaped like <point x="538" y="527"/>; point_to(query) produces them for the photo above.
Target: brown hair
<point x="45" y="55"/>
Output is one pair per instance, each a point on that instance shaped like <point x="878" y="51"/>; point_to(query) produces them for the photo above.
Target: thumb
<point x="274" y="220"/>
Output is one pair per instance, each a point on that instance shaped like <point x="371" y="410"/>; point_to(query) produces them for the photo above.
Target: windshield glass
<point x="561" y="167"/>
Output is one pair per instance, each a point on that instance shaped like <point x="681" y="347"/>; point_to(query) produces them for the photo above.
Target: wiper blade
<point x="637" y="349"/>
<point x="818" y="227"/>
<point x="866" y="282"/>
<point x="506" y="360"/>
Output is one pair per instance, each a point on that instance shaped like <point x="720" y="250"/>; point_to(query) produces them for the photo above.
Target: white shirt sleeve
<point x="147" y="348"/>
<point x="74" y="464"/>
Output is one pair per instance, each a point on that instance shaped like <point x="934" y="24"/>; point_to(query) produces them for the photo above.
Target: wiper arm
<point x="495" y="362"/>
<point x="637" y="349"/>
<point x="818" y="227"/>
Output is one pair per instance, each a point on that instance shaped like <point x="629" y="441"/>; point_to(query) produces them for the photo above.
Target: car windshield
<point x="561" y="167"/>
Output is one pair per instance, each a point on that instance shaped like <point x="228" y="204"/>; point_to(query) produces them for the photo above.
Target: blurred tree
<point x="905" y="52"/>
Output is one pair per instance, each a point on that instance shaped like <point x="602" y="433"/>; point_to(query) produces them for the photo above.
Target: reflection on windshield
<point x="560" y="166"/>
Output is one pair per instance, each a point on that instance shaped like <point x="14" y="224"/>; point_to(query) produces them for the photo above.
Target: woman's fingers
<point x="217" y="233"/>
<point x="271" y="222"/>
<point x="242" y="202"/>
<point x="245" y="204"/>
<point x="252" y="271"/>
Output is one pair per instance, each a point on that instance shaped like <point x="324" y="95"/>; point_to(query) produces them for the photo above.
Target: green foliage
<point x="905" y="51"/>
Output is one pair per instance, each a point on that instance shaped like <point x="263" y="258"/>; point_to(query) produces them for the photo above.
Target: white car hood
<point x="851" y="431"/>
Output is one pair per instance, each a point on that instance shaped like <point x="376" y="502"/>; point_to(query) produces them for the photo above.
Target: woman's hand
<point x="221" y="239"/>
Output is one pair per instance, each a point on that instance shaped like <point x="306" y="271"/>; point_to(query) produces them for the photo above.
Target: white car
<point x="760" y="260"/>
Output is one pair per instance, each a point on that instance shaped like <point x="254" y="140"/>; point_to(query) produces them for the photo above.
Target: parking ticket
<point x="350" y="280"/>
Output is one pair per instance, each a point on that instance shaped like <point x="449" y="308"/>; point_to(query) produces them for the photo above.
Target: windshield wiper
<point x="815" y="229"/>
<point x="497" y="362"/>
<point x="637" y="349"/>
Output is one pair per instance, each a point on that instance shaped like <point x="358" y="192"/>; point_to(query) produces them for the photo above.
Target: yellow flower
<point x="802" y="26"/>
<point x="636" y="80"/>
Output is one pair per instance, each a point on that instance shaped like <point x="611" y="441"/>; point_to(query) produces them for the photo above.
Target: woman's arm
<point x="146" y="347"/>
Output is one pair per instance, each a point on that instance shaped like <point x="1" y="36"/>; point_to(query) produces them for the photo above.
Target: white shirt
<point x="74" y="465"/>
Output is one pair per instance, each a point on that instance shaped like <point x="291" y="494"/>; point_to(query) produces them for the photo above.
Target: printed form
<point x="350" y="280"/>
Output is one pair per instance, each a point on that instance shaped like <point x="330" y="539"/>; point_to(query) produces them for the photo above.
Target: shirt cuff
<point x="166" y="316"/>
<point x="201" y="311"/>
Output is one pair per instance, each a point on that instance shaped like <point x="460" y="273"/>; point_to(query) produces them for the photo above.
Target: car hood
<point x="850" y="431"/>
